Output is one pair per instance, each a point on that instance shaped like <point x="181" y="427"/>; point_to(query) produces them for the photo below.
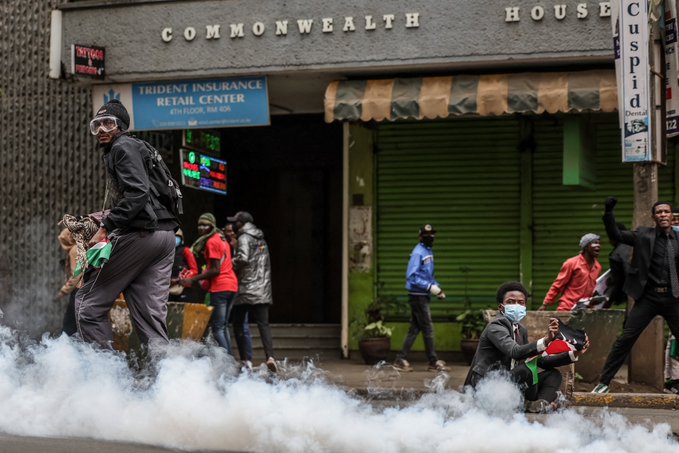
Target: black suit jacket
<point x="497" y="348"/>
<point x="643" y="241"/>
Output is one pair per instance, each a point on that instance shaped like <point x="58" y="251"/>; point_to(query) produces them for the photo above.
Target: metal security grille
<point x="562" y="214"/>
<point x="49" y="165"/>
<point x="463" y="177"/>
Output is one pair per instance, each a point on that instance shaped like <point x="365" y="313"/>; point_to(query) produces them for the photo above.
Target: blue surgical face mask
<point x="177" y="241"/>
<point x="515" y="312"/>
<point x="676" y="229"/>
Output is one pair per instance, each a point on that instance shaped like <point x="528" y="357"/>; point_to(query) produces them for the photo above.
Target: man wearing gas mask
<point x="504" y="346"/>
<point x="421" y="284"/>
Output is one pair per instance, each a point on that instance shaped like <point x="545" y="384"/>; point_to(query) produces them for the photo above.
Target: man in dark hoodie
<point x="141" y="231"/>
<point x="253" y="267"/>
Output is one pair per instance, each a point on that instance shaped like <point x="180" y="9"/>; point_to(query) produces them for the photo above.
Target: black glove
<point x="610" y="203"/>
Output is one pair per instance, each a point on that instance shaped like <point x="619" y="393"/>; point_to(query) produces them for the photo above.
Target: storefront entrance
<point x="289" y="177"/>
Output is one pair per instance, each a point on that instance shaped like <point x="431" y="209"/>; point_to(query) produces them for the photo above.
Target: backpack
<point x="163" y="186"/>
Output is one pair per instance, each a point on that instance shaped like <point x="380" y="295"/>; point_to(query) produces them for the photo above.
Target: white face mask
<point x="514" y="312"/>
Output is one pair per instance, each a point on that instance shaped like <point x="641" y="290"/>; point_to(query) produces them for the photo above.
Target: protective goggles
<point x="104" y="123"/>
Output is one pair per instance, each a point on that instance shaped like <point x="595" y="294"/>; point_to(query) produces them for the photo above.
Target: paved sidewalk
<point x="365" y="379"/>
<point x="384" y="382"/>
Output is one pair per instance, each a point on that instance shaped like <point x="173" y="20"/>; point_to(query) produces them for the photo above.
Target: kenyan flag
<point x="97" y="255"/>
<point x="568" y="339"/>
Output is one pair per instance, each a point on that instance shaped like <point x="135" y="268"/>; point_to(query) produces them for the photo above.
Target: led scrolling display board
<point x="199" y="170"/>
<point x="202" y="140"/>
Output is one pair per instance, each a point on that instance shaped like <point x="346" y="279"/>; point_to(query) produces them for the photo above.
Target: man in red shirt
<point x="577" y="277"/>
<point x="223" y="283"/>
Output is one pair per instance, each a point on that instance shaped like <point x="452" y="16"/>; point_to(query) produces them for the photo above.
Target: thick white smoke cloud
<point x="198" y="400"/>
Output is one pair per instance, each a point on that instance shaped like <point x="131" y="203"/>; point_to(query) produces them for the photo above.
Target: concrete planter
<point x="185" y="321"/>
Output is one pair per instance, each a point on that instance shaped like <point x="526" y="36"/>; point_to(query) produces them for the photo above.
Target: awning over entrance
<point x="440" y="97"/>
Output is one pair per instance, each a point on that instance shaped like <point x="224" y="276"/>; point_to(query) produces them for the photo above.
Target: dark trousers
<point x="69" y="326"/>
<point x="549" y="382"/>
<point x="420" y="321"/>
<point x="140" y="267"/>
<point x="261" y="314"/>
<point x="642" y="313"/>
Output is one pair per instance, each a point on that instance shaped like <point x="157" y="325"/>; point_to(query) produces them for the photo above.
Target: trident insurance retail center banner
<point x="184" y="104"/>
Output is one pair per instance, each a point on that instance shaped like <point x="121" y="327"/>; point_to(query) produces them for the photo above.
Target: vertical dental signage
<point x="634" y="91"/>
<point x="671" y="69"/>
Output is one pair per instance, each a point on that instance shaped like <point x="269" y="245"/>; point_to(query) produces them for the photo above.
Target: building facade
<point x="495" y="121"/>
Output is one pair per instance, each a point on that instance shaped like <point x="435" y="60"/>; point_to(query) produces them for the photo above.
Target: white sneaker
<point x="402" y="365"/>
<point x="439" y="365"/>
<point x="600" y="388"/>
<point x="246" y="366"/>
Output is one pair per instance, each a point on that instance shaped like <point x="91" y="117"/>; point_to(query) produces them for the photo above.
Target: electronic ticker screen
<point x="203" y="172"/>
<point x="203" y="139"/>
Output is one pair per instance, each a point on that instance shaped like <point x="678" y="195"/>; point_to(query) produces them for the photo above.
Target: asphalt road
<point x="19" y="444"/>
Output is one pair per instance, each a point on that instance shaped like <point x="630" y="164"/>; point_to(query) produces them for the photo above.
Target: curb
<point x="632" y="400"/>
<point x="384" y="394"/>
<point x="629" y="400"/>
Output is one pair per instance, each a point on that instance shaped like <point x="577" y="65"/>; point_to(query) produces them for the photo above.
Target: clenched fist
<point x="610" y="203"/>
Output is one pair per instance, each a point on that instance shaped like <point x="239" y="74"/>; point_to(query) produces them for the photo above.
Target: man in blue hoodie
<point x="420" y="283"/>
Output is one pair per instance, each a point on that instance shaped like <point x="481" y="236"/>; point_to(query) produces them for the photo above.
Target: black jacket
<point x="643" y="241"/>
<point x="619" y="262"/>
<point x="132" y="206"/>
<point x="497" y="348"/>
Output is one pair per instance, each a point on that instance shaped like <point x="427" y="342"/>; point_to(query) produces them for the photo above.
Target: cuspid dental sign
<point x="635" y="78"/>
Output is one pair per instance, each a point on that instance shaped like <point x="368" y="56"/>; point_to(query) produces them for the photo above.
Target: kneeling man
<point x="504" y="346"/>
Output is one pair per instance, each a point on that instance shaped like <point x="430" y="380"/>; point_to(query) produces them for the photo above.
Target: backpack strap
<point x="156" y="159"/>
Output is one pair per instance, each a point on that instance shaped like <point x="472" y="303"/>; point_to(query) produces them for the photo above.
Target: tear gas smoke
<point x="198" y="400"/>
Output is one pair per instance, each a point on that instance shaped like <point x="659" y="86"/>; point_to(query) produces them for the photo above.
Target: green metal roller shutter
<point x="563" y="214"/>
<point x="462" y="176"/>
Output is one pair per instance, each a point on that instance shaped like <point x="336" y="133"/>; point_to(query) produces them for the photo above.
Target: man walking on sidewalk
<point x="652" y="282"/>
<point x="141" y="230"/>
<point x="420" y="283"/>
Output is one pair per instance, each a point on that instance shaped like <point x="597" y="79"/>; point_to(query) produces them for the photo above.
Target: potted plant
<point x="374" y="336"/>
<point x="472" y="321"/>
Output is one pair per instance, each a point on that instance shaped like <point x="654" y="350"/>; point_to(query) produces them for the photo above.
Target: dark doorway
<point x="289" y="177"/>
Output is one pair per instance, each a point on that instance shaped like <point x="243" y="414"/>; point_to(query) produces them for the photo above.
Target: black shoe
<point x="672" y="386"/>
<point x="538" y="407"/>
